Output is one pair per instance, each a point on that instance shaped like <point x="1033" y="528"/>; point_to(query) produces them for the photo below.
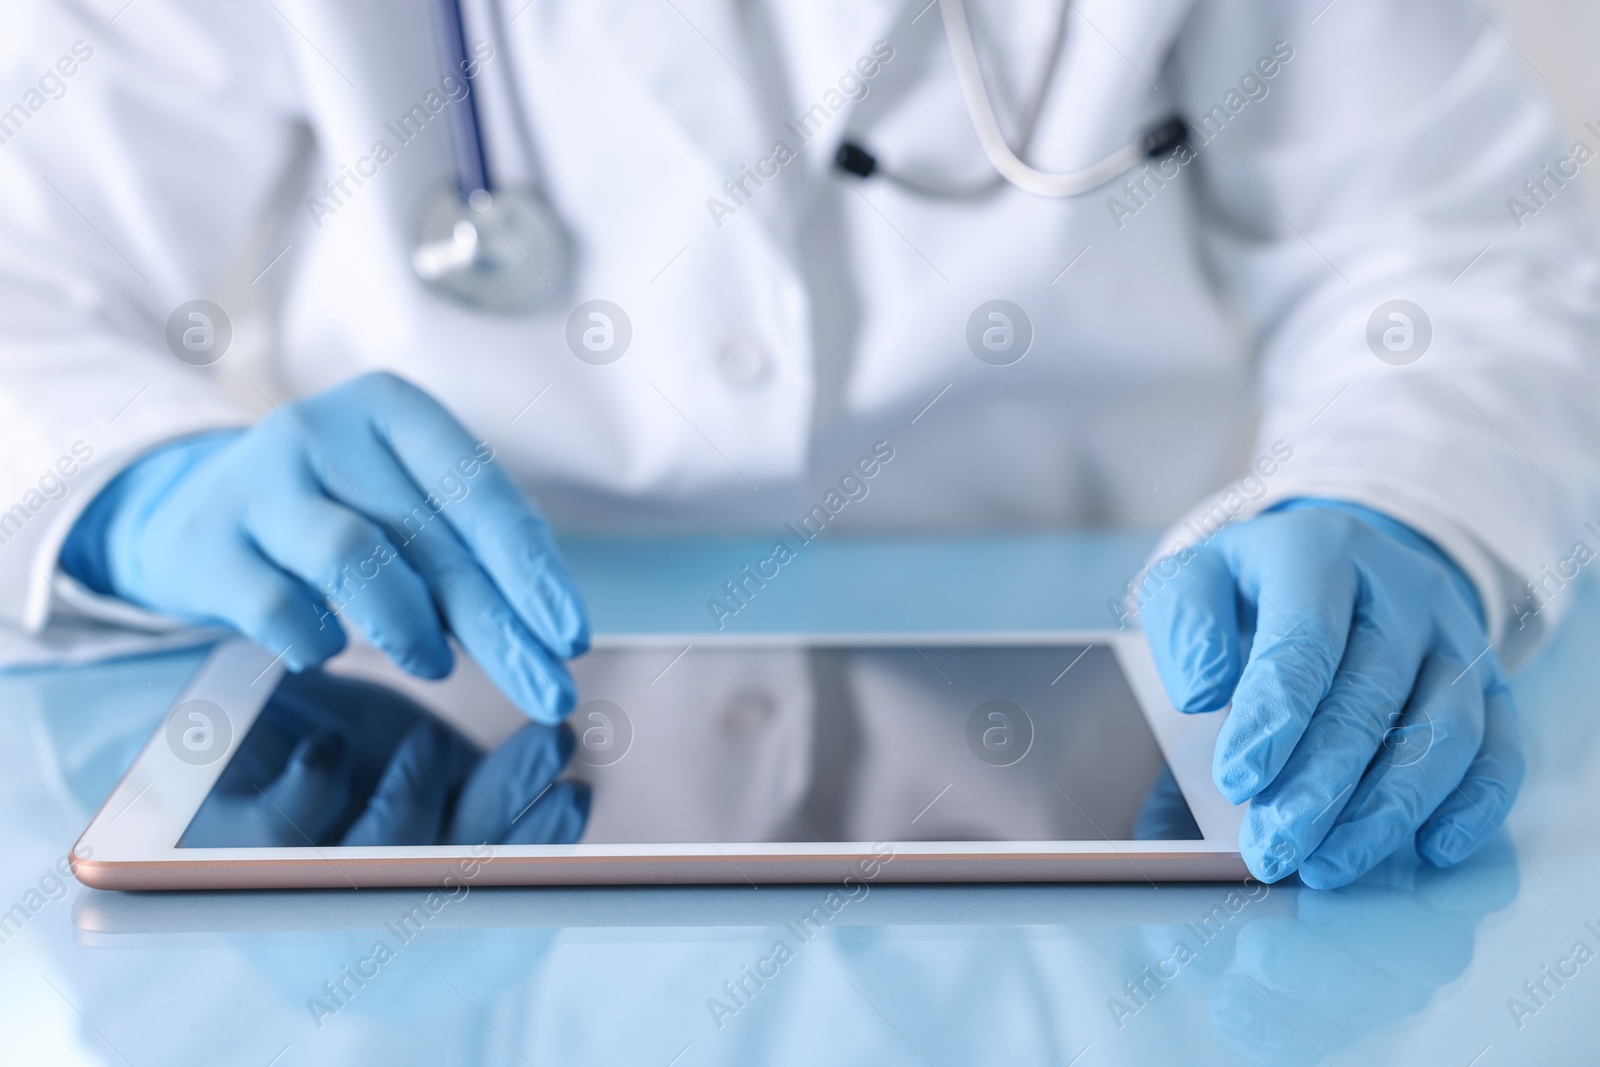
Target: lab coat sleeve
<point x="126" y="186"/>
<point x="1387" y="161"/>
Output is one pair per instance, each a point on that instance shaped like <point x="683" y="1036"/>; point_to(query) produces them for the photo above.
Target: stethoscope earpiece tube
<point x="466" y="130"/>
<point x="1165" y="138"/>
<point x="852" y="158"/>
<point x="506" y="250"/>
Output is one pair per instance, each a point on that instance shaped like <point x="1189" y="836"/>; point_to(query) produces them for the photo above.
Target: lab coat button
<point x="743" y="361"/>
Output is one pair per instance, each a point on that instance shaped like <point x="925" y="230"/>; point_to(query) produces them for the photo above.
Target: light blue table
<point x="1410" y="966"/>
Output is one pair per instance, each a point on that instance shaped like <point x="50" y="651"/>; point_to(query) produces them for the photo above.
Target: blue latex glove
<point x="1366" y="703"/>
<point x="368" y="501"/>
<point x="338" y="761"/>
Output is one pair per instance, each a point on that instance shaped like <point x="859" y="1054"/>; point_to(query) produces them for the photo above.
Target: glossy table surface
<point x="1494" y="963"/>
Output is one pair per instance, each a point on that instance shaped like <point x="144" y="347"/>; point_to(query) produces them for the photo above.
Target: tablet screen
<point x="758" y="743"/>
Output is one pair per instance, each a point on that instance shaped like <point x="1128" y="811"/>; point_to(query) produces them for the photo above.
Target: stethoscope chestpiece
<point x="502" y="251"/>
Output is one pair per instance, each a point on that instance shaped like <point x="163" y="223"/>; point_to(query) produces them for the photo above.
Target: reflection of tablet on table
<point x="1039" y="757"/>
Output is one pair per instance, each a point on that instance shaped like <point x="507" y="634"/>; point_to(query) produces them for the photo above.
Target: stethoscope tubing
<point x="463" y="252"/>
<point x="1009" y="167"/>
<point x="466" y="127"/>
<point x="1000" y="154"/>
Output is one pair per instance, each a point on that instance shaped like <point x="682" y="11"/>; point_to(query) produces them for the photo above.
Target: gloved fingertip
<point x="430" y="663"/>
<point x="1446" y="846"/>
<point x="1238" y="779"/>
<point x="574" y="627"/>
<point x="298" y="660"/>
<point x="538" y="683"/>
<point x="1316" y="873"/>
<point x="1348" y="852"/>
<point x="307" y="650"/>
<point x="1199" y="672"/>
<point x="566" y="743"/>
<point x="550" y="704"/>
<point x="1271" y="856"/>
<point x="567" y="612"/>
<point x="1203" y="699"/>
<point x="580" y="642"/>
<point x="566" y="697"/>
<point x="428" y="671"/>
<point x="1264" y="871"/>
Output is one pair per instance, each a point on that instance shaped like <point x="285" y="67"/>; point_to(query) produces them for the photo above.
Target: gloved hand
<point x="338" y="761"/>
<point x="1367" y="704"/>
<point x="368" y="501"/>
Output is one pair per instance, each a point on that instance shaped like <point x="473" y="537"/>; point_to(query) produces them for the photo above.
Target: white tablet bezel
<point x="132" y="841"/>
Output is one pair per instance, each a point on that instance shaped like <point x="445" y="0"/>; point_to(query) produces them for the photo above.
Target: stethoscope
<point x="504" y="249"/>
<point x="493" y="249"/>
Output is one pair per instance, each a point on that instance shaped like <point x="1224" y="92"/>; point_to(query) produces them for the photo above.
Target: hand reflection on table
<point x="1356" y="959"/>
<point x="1351" y="960"/>
<point x="338" y="761"/>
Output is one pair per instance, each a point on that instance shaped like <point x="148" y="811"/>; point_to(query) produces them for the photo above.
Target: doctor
<point x="785" y="234"/>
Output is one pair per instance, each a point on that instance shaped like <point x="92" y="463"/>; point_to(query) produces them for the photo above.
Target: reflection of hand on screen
<point x="296" y="806"/>
<point x="335" y="761"/>
<point x="512" y="797"/>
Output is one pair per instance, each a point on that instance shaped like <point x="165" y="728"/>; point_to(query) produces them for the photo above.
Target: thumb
<point x="1191" y="620"/>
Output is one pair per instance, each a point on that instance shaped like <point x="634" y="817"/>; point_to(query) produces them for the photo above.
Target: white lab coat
<point x="1178" y="336"/>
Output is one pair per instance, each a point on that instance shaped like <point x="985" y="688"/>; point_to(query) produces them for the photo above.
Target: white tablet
<point x="693" y="759"/>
